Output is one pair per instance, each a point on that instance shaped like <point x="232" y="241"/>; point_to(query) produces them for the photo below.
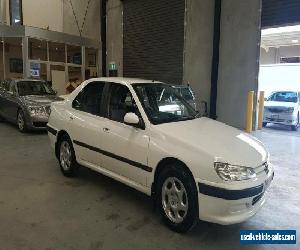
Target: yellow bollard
<point x="249" y="118"/>
<point x="261" y="105"/>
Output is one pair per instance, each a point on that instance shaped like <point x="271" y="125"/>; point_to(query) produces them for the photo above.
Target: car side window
<point x="89" y="99"/>
<point x="120" y="102"/>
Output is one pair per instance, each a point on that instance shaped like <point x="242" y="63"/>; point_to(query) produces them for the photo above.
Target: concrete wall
<point x="198" y="47"/>
<point x="4" y="12"/>
<point x="43" y="14"/>
<point x="273" y="55"/>
<point x="114" y="34"/>
<point x="57" y="15"/>
<point x="239" y="53"/>
<point x="91" y="27"/>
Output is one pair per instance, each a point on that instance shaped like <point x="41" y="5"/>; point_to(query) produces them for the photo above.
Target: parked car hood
<point x="223" y="142"/>
<point x="40" y="99"/>
<point x="280" y="104"/>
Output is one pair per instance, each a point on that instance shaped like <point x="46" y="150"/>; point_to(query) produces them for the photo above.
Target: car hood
<point x="40" y="99"/>
<point x="224" y="143"/>
<point x="280" y="104"/>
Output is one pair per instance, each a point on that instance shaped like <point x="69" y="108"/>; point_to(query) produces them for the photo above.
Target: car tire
<point x="66" y="157"/>
<point x="177" y="198"/>
<point x="295" y="127"/>
<point x="21" y="122"/>
<point x="265" y="124"/>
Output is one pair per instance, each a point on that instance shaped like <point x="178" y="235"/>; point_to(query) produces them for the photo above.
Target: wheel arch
<point x="160" y="167"/>
<point x="60" y="134"/>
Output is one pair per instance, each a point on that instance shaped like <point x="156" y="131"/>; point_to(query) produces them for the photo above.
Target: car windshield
<point x="163" y="104"/>
<point x="186" y="93"/>
<point x="34" y="88"/>
<point x="284" y="97"/>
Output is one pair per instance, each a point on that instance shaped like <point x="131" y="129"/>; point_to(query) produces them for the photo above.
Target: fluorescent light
<point x="280" y="30"/>
<point x="295" y="41"/>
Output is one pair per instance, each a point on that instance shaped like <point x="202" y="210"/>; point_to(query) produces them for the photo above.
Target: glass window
<point x="34" y="88"/>
<point x="15" y="8"/>
<point x="37" y="49"/>
<point x="166" y="107"/>
<point x="13" y="57"/>
<point x="57" y="52"/>
<point x="284" y="97"/>
<point x="120" y="102"/>
<point x="91" y="63"/>
<point x="89" y="99"/>
<point x="74" y="54"/>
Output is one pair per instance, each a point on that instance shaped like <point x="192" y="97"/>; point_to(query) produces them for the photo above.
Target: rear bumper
<point x="226" y="206"/>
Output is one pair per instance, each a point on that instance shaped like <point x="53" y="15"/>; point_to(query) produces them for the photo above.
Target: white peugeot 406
<point x="193" y="167"/>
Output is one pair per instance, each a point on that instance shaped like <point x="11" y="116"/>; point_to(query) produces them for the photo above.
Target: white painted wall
<point x="273" y="55"/>
<point x="44" y="14"/>
<point x="279" y="77"/>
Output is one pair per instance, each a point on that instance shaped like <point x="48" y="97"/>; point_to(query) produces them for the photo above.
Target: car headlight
<point x="37" y="110"/>
<point x="229" y="172"/>
<point x="289" y="110"/>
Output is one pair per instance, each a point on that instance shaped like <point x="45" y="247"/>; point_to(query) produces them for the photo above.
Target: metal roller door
<point x="280" y="12"/>
<point x="153" y="39"/>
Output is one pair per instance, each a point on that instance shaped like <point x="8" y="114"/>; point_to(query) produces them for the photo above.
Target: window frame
<point x="102" y="103"/>
<point x="141" y="125"/>
<point x="21" y="13"/>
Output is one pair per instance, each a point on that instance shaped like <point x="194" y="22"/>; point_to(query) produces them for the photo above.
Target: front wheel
<point x="21" y="122"/>
<point x="177" y="198"/>
<point x="295" y="127"/>
<point x="264" y="124"/>
<point x="66" y="157"/>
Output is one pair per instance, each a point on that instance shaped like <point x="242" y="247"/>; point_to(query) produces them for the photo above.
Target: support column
<point x="26" y="66"/>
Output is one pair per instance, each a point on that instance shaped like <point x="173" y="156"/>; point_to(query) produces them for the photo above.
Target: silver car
<point x="283" y="107"/>
<point x="26" y="103"/>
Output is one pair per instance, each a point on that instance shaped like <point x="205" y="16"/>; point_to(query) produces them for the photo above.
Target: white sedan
<point x="193" y="167"/>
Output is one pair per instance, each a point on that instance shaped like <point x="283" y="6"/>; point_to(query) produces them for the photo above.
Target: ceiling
<point x="282" y="36"/>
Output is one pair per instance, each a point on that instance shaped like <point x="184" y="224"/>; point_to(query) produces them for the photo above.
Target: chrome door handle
<point x="106" y="130"/>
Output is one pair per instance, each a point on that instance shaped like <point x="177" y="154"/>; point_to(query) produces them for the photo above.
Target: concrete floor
<point x="41" y="209"/>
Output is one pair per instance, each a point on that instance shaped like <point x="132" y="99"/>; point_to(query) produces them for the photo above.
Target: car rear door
<point x="124" y="147"/>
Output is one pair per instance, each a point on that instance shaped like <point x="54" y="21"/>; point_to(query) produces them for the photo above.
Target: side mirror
<point x="131" y="119"/>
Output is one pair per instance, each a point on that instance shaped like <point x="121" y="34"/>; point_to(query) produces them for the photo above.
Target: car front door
<point x="124" y="147"/>
<point x="9" y="102"/>
<point x="86" y="123"/>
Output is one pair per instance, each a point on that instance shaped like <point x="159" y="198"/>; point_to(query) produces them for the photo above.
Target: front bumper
<point x="281" y="118"/>
<point x="230" y="206"/>
<point x="37" y="122"/>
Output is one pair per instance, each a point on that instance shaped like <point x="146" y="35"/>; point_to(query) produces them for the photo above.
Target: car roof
<point x="124" y="80"/>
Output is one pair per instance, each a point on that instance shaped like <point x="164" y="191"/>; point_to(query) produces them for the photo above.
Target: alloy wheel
<point x="21" y="122"/>
<point x="174" y="199"/>
<point x="65" y="155"/>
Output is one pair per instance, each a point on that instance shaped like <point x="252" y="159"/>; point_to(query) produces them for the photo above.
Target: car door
<point x="124" y="147"/>
<point x="86" y="123"/>
<point x="8" y="101"/>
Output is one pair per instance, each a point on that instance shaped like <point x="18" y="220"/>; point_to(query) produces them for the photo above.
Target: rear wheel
<point x="21" y="122"/>
<point x="177" y="198"/>
<point x="66" y="157"/>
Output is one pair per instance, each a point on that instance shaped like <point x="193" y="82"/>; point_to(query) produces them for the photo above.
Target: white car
<point x="283" y="107"/>
<point x="193" y="167"/>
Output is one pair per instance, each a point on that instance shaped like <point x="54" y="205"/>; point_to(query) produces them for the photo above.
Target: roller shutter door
<point x="153" y="39"/>
<point x="280" y="12"/>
